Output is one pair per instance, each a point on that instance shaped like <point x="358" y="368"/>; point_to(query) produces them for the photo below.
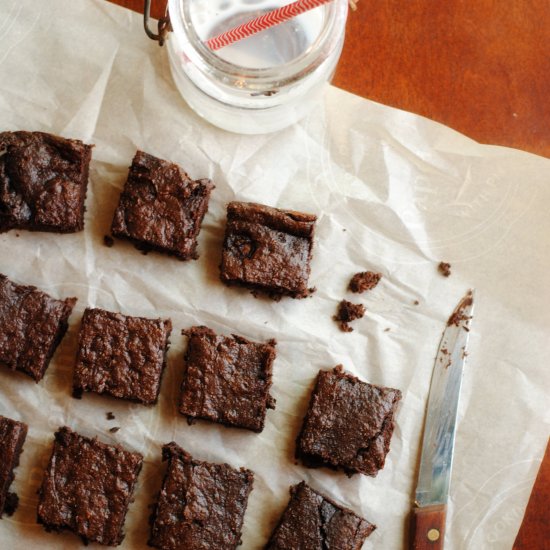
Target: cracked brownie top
<point x="348" y="425"/>
<point x="43" y="182"/>
<point x="313" y="521"/>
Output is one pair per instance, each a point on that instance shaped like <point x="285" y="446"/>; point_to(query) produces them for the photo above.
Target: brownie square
<point x="43" y="182"/>
<point x="267" y="249"/>
<point x="87" y="488"/>
<point x="12" y="437"/>
<point x="348" y="425"/>
<point x="313" y="521"/>
<point x="121" y="356"/>
<point x="161" y="207"/>
<point x="32" y="324"/>
<point x="227" y="379"/>
<point x="201" y="505"/>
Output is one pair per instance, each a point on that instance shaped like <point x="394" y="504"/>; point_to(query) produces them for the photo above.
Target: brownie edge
<point x="87" y="488"/>
<point x="12" y="438"/>
<point x="201" y="505"/>
<point x="348" y="425"/>
<point x="161" y="208"/>
<point x="268" y="249"/>
<point x="32" y="324"/>
<point x="121" y="356"/>
<point x="227" y="379"/>
<point x="43" y="182"/>
<point x="313" y="521"/>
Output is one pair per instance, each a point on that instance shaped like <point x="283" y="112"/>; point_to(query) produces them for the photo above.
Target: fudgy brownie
<point x="161" y="207"/>
<point x="32" y="324"/>
<point x="201" y="505"/>
<point x="348" y="425"/>
<point x="121" y="356"/>
<point x="43" y="182"/>
<point x="12" y="437"/>
<point x="314" y="522"/>
<point x="87" y="488"/>
<point x="267" y="249"/>
<point x="366" y="280"/>
<point x="227" y="379"/>
<point x="348" y="312"/>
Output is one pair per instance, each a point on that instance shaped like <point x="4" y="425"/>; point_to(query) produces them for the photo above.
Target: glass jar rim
<point x="203" y="57"/>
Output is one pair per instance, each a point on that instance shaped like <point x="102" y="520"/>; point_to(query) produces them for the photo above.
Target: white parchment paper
<point x="394" y="193"/>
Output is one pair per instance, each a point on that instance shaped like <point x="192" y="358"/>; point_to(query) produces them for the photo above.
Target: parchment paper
<point x="394" y="193"/>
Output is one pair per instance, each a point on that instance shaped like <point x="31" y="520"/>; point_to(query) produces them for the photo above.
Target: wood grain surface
<point x="481" y="67"/>
<point x="534" y="533"/>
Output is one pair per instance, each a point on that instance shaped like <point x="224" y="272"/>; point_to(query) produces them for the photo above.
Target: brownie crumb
<point x="110" y="416"/>
<point x="115" y="429"/>
<point x="416" y="302"/>
<point x="366" y="280"/>
<point x="444" y="268"/>
<point x="108" y="241"/>
<point x="458" y="316"/>
<point x="348" y="312"/>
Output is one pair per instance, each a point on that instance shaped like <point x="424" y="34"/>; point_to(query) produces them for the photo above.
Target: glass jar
<point x="264" y="82"/>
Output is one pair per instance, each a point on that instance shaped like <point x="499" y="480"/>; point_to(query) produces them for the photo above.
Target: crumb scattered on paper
<point x="444" y="268"/>
<point x="363" y="281"/>
<point x="347" y="312"/>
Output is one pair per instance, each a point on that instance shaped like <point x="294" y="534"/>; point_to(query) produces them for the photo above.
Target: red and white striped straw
<point x="265" y="21"/>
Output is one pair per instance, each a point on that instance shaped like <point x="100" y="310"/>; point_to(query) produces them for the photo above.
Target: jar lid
<point x="195" y="21"/>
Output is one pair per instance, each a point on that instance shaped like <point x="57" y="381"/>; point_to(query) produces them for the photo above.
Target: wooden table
<point x="481" y="67"/>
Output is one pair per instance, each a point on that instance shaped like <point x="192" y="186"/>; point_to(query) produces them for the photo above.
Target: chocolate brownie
<point x="348" y="425"/>
<point x="314" y="522"/>
<point x="348" y="312"/>
<point x="12" y="437"/>
<point x="32" y="324"/>
<point x="87" y="488"/>
<point x="43" y="182"/>
<point x="363" y="281"/>
<point x="201" y="505"/>
<point x="267" y="249"/>
<point x="227" y="379"/>
<point x="161" y="207"/>
<point x="121" y="356"/>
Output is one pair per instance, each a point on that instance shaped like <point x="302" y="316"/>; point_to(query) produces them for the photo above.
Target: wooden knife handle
<point x="428" y="527"/>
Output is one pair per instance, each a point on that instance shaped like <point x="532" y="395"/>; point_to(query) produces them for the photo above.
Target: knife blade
<point x="434" y="478"/>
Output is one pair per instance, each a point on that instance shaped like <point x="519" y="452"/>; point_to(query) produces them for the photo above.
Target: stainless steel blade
<point x="439" y="428"/>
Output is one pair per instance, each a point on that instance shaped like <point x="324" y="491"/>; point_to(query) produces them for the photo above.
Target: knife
<point x="432" y="490"/>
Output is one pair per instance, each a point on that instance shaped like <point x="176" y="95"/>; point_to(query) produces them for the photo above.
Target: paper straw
<point x="265" y="21"/>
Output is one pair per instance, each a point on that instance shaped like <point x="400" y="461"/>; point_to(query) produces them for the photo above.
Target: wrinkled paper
<point x="393" y="192"/>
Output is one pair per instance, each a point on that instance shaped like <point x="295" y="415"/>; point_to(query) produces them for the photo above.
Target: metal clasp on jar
<point x="164" y="26"/>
